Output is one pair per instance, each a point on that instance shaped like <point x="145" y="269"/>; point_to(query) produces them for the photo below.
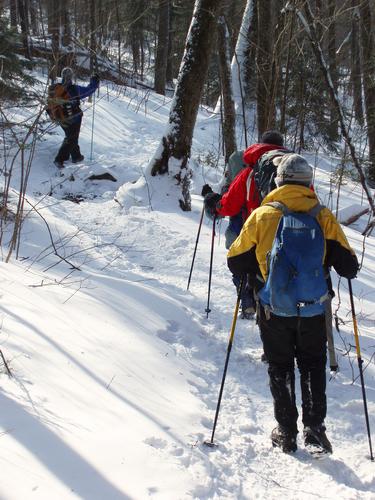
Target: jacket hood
<point x="296" y="198"/>
<point x="254" y="152"/>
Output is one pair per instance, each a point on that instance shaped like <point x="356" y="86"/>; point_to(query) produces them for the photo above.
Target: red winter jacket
<point x="241" y="198"/>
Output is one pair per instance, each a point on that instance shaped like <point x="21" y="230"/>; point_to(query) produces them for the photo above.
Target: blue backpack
<point x="296" y="283"/>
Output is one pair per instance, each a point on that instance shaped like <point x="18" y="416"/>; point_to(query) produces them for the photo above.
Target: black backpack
<point x="264" y="172"/>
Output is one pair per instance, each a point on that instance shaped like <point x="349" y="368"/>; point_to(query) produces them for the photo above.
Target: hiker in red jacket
<point x="239" y="200"/>
<point x="242" y="196"/>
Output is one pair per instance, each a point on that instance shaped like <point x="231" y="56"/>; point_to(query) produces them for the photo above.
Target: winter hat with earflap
<point x="292" y="169"/>
<point x="67" y="75"/>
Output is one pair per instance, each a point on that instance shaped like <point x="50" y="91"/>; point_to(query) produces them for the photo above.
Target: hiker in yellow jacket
<point x="286" y="338"/>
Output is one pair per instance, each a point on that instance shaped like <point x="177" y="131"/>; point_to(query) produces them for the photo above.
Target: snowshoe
<point x="316" y="441"/>
<point x="284" y="439"/>
<point x="78" y="160"/>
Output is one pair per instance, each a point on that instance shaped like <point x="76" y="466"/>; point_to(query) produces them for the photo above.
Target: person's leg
<point x="311" y="360"/>
<point x="278" y="337"/>
<point x="311" y="357"/>
<point x="74" y="146"/>
<point x="64" y="151"/>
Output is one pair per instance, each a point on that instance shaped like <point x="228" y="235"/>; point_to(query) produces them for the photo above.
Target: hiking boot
<point x="58" y="164"/>
<point x="79" y="159"/>
<point x="284" y="439"/>
<point x="316" y="440"/>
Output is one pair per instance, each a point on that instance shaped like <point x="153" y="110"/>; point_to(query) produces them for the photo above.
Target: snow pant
<point x="247" y="296"/>
<point x="304" y="339"/>
<point x="70" y="146"/>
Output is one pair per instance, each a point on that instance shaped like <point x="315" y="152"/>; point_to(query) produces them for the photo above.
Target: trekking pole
<point x="195" y="249"/>
<point x="92" y="126"/>
<point x="208" y="310"/>
<point x="229" y="348"/>
<point x="333" y="365"/>
<point x="360" y="362"/>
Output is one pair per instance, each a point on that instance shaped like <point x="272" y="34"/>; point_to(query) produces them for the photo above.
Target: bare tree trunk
<point x="291" y="19"/>
<point x="24" y="27"/>
<point x="54" y="31"/>
<point x="263" y="66"/>
<point x="118" y="37"/>
<point x="92" y="35"/>
<point x="355" y="70"/>
<point x="277" y="42"/>
<point x="368" y="72"/>
<point x="34" y="17"/>
<point x="65" y="18"/>
<point x="162" y="49"/>
<point x="136" y="36"/>
<point x="176" y="143"/>
<point x="170" y="69"/>
<point x="229" y="113"/>
<point x="331" y="4"/>
<point x="13" y="13"/>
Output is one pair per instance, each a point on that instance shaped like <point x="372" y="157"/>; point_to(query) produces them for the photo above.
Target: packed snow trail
<point x="116" y="368"/>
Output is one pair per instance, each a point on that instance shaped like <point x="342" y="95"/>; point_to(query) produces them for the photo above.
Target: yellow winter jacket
<point x="248" y="253"/>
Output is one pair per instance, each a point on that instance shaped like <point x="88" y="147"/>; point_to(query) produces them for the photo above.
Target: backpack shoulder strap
<point x="279" y="206"/>
<point x="248" y="184"/>
<point x="315" y="210"/>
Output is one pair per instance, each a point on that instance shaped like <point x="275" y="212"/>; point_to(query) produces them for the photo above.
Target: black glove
<point x="206" y="189"/>
<point x="210" y="203"/>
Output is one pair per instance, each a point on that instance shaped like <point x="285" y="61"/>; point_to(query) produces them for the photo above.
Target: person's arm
<point x="241" y="257"/>
<point x="234" y="199"/>
<point x="339" y="254"/>
<point x="86" y="91"/>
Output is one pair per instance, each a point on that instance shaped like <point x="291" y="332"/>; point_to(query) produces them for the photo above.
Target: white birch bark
<point x="238" y="60"/>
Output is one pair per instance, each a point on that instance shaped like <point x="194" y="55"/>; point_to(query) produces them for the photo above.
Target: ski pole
<point x="208" y="310"/>
<point x="360" y="362"/>
<point x="92" y="127"/>
<point x="229" y="348"/>
<point x="333" y="365"/>
<point x="195" y="249"/>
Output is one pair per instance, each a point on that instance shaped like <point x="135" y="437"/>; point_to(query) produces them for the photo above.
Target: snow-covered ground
<point x="116" y="369"/>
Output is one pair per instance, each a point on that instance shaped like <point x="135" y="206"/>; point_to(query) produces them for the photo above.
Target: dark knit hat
<point x="292" y="169"/>
<point x="272" y="137"/>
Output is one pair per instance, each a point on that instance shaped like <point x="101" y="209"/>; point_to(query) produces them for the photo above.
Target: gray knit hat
<point x="292" y="169"/>
<point x="67" y="75"/>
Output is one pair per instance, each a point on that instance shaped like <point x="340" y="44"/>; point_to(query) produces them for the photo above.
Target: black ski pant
<point x="70" y="146"/>
<point x="304" y="339"/>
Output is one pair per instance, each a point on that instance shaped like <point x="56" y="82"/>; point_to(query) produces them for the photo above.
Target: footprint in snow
<point x="170" y="334"/>
<point x="156" y="442"/>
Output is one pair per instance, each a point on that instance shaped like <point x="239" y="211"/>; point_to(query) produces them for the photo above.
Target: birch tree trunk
<point x="240" y="53"/>
<point x="174" y="151"/>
